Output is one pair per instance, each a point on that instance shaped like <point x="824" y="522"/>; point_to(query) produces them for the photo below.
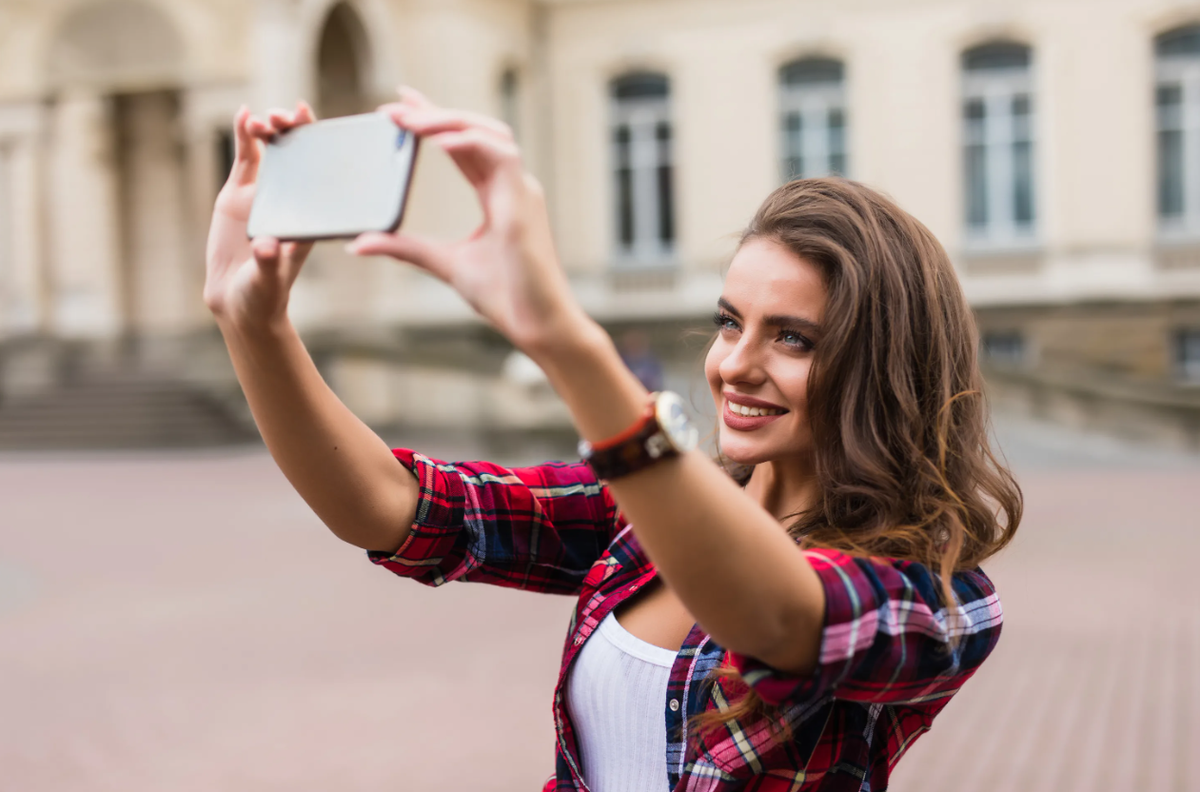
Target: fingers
<point x="479" y="155"/>
<point x="425" y="120"/>
<point x="419" y="251"/>
<point x="294" y="255"/>
<point x="246" y="152"/>
<point x="278" y="121"/>
<point x="282" y="120"/>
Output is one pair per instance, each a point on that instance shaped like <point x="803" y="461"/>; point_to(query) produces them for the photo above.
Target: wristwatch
<point x="663" y="431"/>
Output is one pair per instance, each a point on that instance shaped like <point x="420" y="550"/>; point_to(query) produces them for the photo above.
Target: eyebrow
<point x="776" y="320"/>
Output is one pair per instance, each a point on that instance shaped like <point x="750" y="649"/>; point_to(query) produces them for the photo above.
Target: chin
<point x="743" y="453"/>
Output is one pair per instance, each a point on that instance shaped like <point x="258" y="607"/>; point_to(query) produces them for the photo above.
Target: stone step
<point x="120" y="411"/>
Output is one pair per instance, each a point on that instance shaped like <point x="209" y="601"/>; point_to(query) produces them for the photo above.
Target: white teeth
<point x="750" y="412"/>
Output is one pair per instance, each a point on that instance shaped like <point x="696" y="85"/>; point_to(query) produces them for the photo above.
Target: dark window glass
<point x="810" y="71"/>
<point x="1169" y="100"/>
<point x="1004" y="347"/>
<point x="996" y="55"/>
<point x="1181" y="41"/>
<point x="793" y="142"/>
<point x="666" y="208"/>
<point x="624" y="187"/>
<point x="642" y="85"/>
<point x="837" y="142"/>
<point x="1187" y="354"/>
<point x="1169" y="104"/>
<point x="1022" y="163"/>
<point x="1170" y="173"/>
<point x="975" y="165"/>
<point x="1023" y="183"/>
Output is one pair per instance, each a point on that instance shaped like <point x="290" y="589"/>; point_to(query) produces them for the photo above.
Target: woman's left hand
<point x="507" y="269"/>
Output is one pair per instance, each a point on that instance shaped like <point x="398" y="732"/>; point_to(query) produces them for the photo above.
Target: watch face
<point x="673" y="419"/>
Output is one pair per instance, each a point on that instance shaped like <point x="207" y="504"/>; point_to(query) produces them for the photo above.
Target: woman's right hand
<point x="247" y="282"/>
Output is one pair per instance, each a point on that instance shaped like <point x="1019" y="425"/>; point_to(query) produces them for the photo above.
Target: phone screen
<point x="334" y="179"/>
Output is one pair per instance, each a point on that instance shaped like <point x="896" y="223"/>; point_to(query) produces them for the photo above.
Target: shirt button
<point x="674" y="705"/>
<point x="578" y="640"/>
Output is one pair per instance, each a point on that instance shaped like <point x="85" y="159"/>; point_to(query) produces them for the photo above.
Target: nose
<point x="744" y="362"/>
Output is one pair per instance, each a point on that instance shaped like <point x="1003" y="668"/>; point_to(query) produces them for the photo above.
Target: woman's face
<point x="768" y="322"/>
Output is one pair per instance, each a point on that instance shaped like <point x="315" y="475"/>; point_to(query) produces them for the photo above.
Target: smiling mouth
<point x="753" y="412"/>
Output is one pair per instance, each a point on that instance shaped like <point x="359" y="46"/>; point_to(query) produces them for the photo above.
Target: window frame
<point x="1182" y="71"/>
<point x="998" y="89"/>
<point x="1187" y="371"/>
<point x="812" y="101"/>
<point x="649" y="159"/>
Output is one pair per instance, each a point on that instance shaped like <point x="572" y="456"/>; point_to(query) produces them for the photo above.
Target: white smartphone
<point x="334" y="179"/>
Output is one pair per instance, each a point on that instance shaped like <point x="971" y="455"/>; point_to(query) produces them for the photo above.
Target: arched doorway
<point x="343" y="62"/>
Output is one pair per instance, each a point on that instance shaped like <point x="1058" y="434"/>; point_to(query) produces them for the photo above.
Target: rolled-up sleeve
<point x="539" y="528"/>
<point x="887" y="638"/>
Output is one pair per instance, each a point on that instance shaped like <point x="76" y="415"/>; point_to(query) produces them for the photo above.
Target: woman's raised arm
<point x="728" y="560"/>
<point x="341" y="468"/>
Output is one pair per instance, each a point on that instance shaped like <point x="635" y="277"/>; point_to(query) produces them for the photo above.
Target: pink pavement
<point x="183" y="622"/>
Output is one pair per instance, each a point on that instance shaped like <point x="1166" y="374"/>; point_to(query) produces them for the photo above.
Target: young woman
<point x="790" y="622"/>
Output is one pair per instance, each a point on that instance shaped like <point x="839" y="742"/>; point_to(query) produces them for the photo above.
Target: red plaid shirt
<point x="886" y="665"/>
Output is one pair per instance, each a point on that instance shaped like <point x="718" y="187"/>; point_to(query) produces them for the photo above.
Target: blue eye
<point x="794" y="339"/>
<point x="724" y="321"/>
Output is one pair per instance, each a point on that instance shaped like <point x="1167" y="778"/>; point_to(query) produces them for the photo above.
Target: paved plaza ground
<point x="179" y="622"/>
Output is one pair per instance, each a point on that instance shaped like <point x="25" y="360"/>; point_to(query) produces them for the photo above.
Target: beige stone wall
<point x="1094" y="134"/>
<point x="106" y="239"/>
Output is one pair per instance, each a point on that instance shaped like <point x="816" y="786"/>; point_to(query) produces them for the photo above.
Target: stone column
<point x="22" y="298"/>
<point x="83" y="226"/>
<point x="155" y="250"/>
<point x="280" y="73"/>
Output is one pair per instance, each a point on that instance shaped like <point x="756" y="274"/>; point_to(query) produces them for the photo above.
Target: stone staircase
<point x="119" y="411"/>
<point x="118" y="405"/>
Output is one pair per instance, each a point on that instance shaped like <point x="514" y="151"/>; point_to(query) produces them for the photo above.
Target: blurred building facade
<point x="1052" y="145"/>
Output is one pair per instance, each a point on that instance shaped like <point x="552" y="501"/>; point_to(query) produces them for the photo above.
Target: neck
<point x="783" y="488"/>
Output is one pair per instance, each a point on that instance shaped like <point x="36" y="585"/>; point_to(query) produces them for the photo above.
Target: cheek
<point x="795" y="386"/>
<point x="712" y="368"/>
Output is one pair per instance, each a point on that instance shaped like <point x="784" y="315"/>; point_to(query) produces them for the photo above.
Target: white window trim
<point x="996" y="88"/>
<point x="1185" y="72"/>
<point x="813" y="102"/>
<point x="642" y="116"/>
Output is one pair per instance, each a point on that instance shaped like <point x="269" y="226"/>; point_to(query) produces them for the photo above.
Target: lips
<point x="748" y="423"/>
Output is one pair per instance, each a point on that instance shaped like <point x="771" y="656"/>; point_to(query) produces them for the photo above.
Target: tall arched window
<point x="642" y="167"/>
<point x="998" y="114"/>
<point x="1177" y="101"/>
<point x="342" y="64"/>
<point x="812" y="102"/>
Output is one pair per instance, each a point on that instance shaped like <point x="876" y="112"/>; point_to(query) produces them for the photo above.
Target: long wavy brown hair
<point x="895" y="398"/>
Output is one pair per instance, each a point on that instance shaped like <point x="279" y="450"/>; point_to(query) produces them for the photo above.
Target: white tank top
<point x="616" y="693"/>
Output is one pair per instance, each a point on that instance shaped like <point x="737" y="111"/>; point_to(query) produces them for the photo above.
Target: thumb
<point x="420" y="251"/>
<point x="266" y="251"/>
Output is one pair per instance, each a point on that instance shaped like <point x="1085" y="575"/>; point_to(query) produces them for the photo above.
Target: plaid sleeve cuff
<point x="431" y="538"/>
<point x="887" y="638"/>
<point x="845" y="633"/>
